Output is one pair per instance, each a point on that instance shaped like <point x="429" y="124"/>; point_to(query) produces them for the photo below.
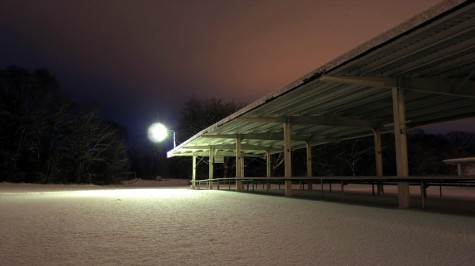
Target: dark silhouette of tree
<point x="24" y="98"/>
<point x="149" y="160"/>
<point x="95" y="149"/>
<point x="353" y="153"/>
<point x="346" y="158"/>
<point x="196" y="115"/>
<point x="56" y="140"/>
<point x="46" y="137"/>
<point x="426" y="153"/>
<point x="464" y="143"/>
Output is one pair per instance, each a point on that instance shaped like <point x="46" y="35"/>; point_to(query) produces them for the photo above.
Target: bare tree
<point x="47" y="137"/>
<point x="24" y="98"/>
<point x="93" y="147"/>
<point x="463" y="141"/>
<point x="353" y="151"/>
<point x="196" y="115"/>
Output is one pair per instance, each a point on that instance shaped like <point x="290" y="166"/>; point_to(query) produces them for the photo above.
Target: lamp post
<point x="174" y="138"/>
<point x="157" y="132"/>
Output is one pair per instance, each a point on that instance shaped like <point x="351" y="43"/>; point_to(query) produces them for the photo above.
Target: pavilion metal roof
<point x="431" y="56"/>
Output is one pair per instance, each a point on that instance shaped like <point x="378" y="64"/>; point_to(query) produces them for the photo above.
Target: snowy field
<point x="89" y="225"/>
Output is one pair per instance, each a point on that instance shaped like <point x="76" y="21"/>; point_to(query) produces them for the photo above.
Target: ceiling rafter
<point x="442" y="86"/>
<point x="220" y="153"/>
<point x="227" y="147"/>
<point x="328" y="120"/>
<point x="431" y="41"/>
<point x="259" y="136"/>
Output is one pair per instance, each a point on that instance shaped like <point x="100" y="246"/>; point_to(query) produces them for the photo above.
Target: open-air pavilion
<point x="418" y="73"/>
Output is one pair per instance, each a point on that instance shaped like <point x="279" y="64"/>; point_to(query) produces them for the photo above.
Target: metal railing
<point x="251" y="183"/>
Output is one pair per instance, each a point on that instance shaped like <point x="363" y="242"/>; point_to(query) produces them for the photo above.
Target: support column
<point x="238" y="162"/>
<point x="193" y="173"/>
<point x="288" y="158"/>
<point x="401" y="145"/>
<point x="378" y="153"/>
<point x="309" y="163"/>
<point x="268" y="167"/>
<point x="268" y="164"/>
<point x="243" y="164"/>
<point x="211" y="167"/>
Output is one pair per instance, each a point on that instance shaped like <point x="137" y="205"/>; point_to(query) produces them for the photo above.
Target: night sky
<point x="141" y="60"/>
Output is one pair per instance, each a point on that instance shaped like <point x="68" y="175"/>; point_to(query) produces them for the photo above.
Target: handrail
<point x="351" y="178"/>
<point x="422" y="181"/>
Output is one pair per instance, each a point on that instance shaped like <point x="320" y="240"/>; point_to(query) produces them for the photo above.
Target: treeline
<point x="426" y="152"/>
<point x="356" y="157"/>
<point x="46" y="137"/>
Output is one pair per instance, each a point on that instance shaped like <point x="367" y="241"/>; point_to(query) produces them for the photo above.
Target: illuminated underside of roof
<point x="432" y="57"/>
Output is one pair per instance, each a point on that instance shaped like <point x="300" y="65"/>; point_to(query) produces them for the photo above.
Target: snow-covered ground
<point x="90" y="225"/>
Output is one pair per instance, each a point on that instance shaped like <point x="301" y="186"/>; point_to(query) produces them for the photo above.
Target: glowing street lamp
<point x="157" y="132"/>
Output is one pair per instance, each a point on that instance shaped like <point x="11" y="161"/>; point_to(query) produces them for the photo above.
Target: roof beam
<point x="441" y="86"/>
<point x="226" y="147"/>
<point x="462" y="82"/>
<point x="262" y="119"/>
<point x="330" y="120"/>
<point x="326" y="120"/>
<point x="384" y="82"/>
<point x="257" y="136"/>
<point x="224" y="154"/>
<point x="452" y="87"/>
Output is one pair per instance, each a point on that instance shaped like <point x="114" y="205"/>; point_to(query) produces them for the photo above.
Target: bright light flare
<point x="157" y="132"/>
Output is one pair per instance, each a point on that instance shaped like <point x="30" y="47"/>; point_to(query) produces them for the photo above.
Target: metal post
<point x="321" y="186"/>
<point x="378" y="153"/>
<point x="342" y="190"/>
<point x="193" y="174"/>
<point x="423" y="195"/>
<point x="401" y="145"/>
<point x="309" y="163"/>
<point x="211" y="167"/>
<point x="174" y="139"/>
<point x="238" y="162"/>
<point x="243" y="164"/>
<point x="268" y="167"/>
<point x="288" y="158"/>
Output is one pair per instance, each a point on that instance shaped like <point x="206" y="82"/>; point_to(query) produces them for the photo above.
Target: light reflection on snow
<point x="140" y="193"/>
<point x="134" y="193"/>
